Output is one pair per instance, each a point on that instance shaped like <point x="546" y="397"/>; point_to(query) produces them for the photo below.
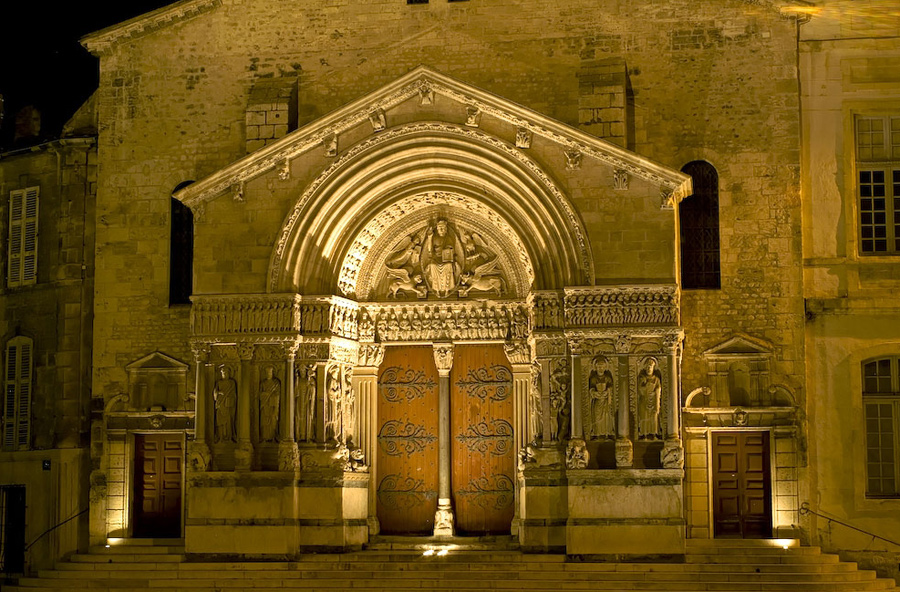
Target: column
<point x="365" y="382"/>
<point x="443" y="518"/>
<point x="288" y="455"/>
<point x="520" y="358"/>
<point x="577" y="455"/>
<point x="672" y="455"/>
<point x="198" y="450"/>
<point x="243" y="454"/>
<point x="624" y="446"/>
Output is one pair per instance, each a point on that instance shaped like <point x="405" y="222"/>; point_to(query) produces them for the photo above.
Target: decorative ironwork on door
<point x="406" y="460"/>
<point x="482" y="444"/>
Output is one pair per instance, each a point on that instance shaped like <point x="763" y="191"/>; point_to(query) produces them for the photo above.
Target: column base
<point x="672" y="455"/>
<point x="624" y="453"/>
<point x="443" y="519"/>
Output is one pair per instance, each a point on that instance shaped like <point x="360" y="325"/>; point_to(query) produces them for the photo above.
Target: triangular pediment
<point x="740" y="345"/>
<point x="156" y="361"/>
<point x="423" y="85"/>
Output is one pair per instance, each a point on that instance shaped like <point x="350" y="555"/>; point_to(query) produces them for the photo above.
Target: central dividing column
<point x="443" y="518"/>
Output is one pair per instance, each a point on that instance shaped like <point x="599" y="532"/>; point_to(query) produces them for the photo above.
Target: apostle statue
<point x="225" y="397"/>
<point x="602" y="399"/>
<point x="649" y="390"/>
<point x="269" y="405"/>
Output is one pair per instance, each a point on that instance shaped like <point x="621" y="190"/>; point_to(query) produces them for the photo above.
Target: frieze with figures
<point x="628" y="305"/>
<point x="450" y="321"/>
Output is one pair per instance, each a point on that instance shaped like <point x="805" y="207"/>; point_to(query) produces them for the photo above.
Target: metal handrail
<point x="805" y="509"/>
<point x="52" y="528"/>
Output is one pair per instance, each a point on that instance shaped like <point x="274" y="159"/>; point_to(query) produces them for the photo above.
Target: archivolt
<point x="418" y="159"/>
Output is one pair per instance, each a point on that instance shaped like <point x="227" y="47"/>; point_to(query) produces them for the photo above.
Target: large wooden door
<point x="482" y="446"/>
<point x="158" y="461"/>
<point x="742" y="490"/>
<point x="407" y="442"/>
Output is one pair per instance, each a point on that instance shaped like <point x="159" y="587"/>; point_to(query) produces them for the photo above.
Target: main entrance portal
<point x="481" y="445"/>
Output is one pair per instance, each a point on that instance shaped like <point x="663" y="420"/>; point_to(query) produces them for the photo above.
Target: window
<point x="23" y="233"/>
<point x="181" y="253"/>
<point x="17" y="397"/>
<point x="878" y="183"/>
<point x="699" y="215"/>
<point x="881" y="403"/>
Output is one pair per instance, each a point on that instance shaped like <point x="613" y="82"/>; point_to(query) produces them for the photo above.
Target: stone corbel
<point x="378" y="120"/>
<point x="667" y="198"/>
<point x="473" y="116"/>
<point x="523" y="138"/>
<point x="426" y="95"/>
<point x="620" y="180"/>
<point x="284" y="170"/>
<point x="573" y="160"/>
<point x="331" y="146"/>
<point x="237" y="192"/>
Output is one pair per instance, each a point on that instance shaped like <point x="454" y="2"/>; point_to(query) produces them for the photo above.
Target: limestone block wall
<point x="848" y="68"/>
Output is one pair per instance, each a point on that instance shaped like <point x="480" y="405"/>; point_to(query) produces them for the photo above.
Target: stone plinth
<point x="625" y="513"/>
<point x="274" y="513"/>
<point x="543" y="507"/>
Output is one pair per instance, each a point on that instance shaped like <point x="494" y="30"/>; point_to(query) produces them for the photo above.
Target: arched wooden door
<point x="482" y="446"/>
<point x="407" y="441"/>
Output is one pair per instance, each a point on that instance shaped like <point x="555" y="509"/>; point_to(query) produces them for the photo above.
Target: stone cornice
<point x="103" y="41"/>
<point x="421" y="82"/>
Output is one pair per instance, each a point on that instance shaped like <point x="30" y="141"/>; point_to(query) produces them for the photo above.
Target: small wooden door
<point x="406" y="456"/>
<point x="742" y="490"/>
<point x="158" y="462"/>
<point x="482" y="446"/>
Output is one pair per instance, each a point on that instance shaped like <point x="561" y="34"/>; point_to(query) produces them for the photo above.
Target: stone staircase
<point x="709" y="565"/>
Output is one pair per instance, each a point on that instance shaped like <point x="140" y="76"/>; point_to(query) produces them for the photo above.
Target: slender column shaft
<point x="243" y="408"/>
<point x="624" y="406"/>
<point x="201" y="402"/>
<point x="672" y="423"/>
<point x="443" y="519"/>
<point x="577" y="430"/>
<point x="521" y="391"/>
<point x="288" y="400"/>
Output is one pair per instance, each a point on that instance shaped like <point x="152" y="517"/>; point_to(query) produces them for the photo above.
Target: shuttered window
<point x="23" y="237"/>
<point x="17" y="394"/>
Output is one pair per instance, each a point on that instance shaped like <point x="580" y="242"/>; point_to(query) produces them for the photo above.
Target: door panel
<point x="158" y="462"/>
<point x="481" y="442"/>
<point x="742" y="491"/>
<point x="407" y="441"/>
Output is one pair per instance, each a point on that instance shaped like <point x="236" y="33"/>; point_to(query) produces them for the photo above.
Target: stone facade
<point x="329" y="142"/>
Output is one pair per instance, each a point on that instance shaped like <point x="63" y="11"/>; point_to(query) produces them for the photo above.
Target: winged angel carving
<point x="440" y="260"/>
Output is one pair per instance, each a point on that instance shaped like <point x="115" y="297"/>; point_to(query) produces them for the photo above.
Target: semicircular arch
<point x="427" y="159"/>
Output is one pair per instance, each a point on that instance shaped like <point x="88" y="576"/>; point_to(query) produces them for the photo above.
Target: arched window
<point x="181" y="252"/>
<point x="881" y="404"/>
<point x="699" y="216"/>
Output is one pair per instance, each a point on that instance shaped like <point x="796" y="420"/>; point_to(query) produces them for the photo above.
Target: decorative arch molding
<point x="428" y="158"/>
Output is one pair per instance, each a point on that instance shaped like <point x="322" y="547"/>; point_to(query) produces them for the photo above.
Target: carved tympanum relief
<point x="442" y="259"/>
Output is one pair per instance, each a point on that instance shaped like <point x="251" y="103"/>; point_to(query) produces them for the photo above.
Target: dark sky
<point x="41" y="61"/>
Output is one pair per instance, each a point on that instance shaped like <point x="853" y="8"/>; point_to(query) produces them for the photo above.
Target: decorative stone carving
<point x="334" y="413"/>
<point x="269" y="405"/>
<point x="624" y="453"/>
<point x="620" y="180"/>
<point x="667" y="198"/>
<point x="577" y="455"/>
<point x="288" y="457"/>
<point x="601" y="400"/>
<point x="158" y="382"/>
<point x="426" y="95"/>
<point x="243" y="456"/>
<point x="305" y="410"/>
<point x="366" y="326"/>
<point x="526" y="457"/>
<point x="623" y="344"/>
<point x="198" y="457"/>
<point x="256" y="315"/>
<point x="447" y="322"/>
<point x="547" y="311"/>
<point x="632" y="305"/>
<point x="518" y="352"/>
<point x="370" y="355"/>
<point x="443" y="521"/>
<point x="473" y="115"/>
<point x="378" y="120"/>
<point x="225" y="398"/>
<point x="560" y="411"/>
<point x="672" y="455"/>
<point x="284" y="170"/>
<point x="573" y="160"/>
<point x="237" y="192"/>
<point x="331" y="146"/>
<point x="443" y="358"/>
<point x="647" y="401"/>
<point x="550" y="345"/>
<point x="523" y="138"/>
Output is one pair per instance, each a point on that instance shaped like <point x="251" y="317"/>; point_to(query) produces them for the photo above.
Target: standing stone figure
<point x="305" y="420"/>
<point x="269" y="405"/>
<point x="649" y="389"/>
<point x="559" y="399"/>
<point x="334" y="429"/>
<point x="602" y="398"/>
<point x="225" y="397"/>
<point x="534" y="404"/>
<point x="441" y="258"/>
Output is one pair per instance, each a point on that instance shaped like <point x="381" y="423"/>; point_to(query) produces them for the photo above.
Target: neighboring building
<point x="486" y="268"/>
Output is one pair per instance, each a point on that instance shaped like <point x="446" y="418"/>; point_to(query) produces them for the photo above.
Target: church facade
<point x="457" y="268"/>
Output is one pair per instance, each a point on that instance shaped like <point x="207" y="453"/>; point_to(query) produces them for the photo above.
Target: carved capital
<point x="672" y="342"/>
<point x="290" y="349"/>
<point x="245" y="351"/>
<point x="288" y="457"/>
<point x="620" y="180"/>
<point x="443" y="519"/>
<point x="371" y="354"/>
<point x="518" y="352"/>
<point x="623" y="344"/>
<point x="443" y="358"/>
<point x="523" y="138"/>
<point x="198" y="457"/>
<point x="666" y="199"/>
<point x="200" y="351"/>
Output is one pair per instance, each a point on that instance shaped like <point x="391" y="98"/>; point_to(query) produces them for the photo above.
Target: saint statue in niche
<point x="225" y="397"/>
<point x="440" y="260"/>
<point x="305" y="419"/>
<point x="649" y="390"/>
<point x="602" y="399"/>
<point x="269" y="405"/>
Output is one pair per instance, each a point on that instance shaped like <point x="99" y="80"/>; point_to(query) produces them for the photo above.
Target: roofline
<point x="315" y="133"/>
<point x="103" y="41"/>
<point x="72" y="141"/>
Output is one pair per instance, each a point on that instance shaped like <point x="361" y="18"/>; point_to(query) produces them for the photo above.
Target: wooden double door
<point x="742" y="484"/>
<point x="158" y="464"/>
<point x="481" y="444"/>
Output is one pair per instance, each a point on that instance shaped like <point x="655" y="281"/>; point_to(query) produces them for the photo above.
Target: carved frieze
<point x="548" y="311"/>
<point x="370" y="354"/>
<point x="220" y="316"/>
<point x="429" y="321"/>
<point x="550" y="345"/>
<point x="519" y="352"/>
<point x="621" y="305"/>
<point x="560" y="407"/>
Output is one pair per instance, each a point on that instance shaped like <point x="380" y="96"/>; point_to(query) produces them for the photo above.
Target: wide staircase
<point x="708" y="565"/>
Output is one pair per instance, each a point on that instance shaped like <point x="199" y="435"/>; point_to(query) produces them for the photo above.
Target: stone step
<point x="768" y="558"/>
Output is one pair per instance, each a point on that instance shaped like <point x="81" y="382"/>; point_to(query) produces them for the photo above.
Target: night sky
<point x="41" y="61"/>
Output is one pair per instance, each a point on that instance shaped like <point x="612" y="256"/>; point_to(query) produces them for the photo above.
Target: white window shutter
<point x="17" y="400"/>
<point x="23" y="237"/>
<point x="9" y="397"/>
